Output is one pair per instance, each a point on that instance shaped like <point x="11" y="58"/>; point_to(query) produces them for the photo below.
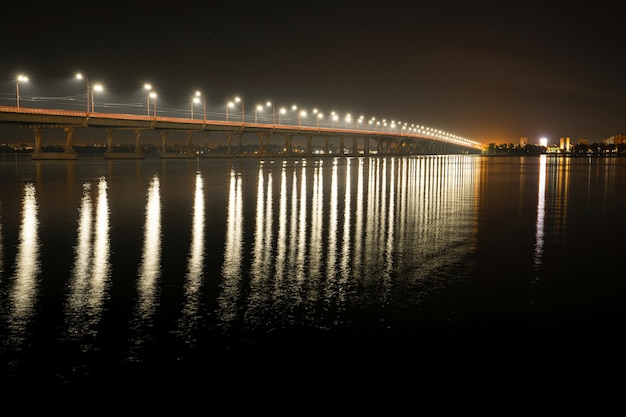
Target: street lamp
<point x="230" y="104"/>
<point x="257" y="109"/>
<point x="301" y="114"/>
<point x="239" y="100"/>
<point x="320" y="116"/>
<point x="80" y="76"/>
<point x="153" y="96"/>
<point x="20" y="78"/>
<point x="196" y="99"/>
<point x="281" y="112"/>
<point x="148" y="87"/>
<point x="97" y="87"/>
<point x="269" y="104"/>
<point x="198" y="94"/>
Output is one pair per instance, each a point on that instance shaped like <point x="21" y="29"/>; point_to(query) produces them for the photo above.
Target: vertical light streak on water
<point x="233" y="248"/>
<point x="422" y="199"/>
<point x="358" y="222"/>
<point x="27" y="268"/>
<point x="403" y="179"/>
<point x="150" y="269"/>
<point x="281" y="242"/>
<point x="268" y="220"/>
<point x="91" y="264"/>
<point x="148" y="274"/>
<point x="195" y="262"/>
<point x="300" y="211"/>
<point x="331" y="251"/>
<point x="390" y="229"/>
<point x="76" y="304"/>
<point x="541" y="213"/>
<point x="559" y="193"/>
<point x="101" y="252"/>
<point x="346" y="243"/>
<point x="260" y="279"/>
<point x="433" y="200"/>
<point x="82" y="262"/>
<point x="315" y="246"/>
<point x="257" y="251"/>
<point x="292" y="258"/>
<point x="372" y="247"/>
<point x="382" y="214"/>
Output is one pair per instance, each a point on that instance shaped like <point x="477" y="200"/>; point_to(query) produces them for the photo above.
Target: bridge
<point x="351" y="141"/>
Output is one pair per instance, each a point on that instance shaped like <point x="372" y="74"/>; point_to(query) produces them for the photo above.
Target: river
<point x="460" y="275"/>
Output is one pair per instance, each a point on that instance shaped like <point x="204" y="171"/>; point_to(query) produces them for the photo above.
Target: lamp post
<point x="229" y="104"/>
<point x="20" y="78"/>
<point x="269" y="104"/>
<point x="239" y="100"/>
<point x="194" y="100"/>
<point x="318" y="117"/>
<point x="281" y="112"/>
<point x="301" y="113"/>
<point x="256" y="110"/>
<point x="153" y="96"/>
<point x="198" y="94"/>
<point x="148" y="87"/>
<point x="97" y="87"/>
<point x="80" y="76"/>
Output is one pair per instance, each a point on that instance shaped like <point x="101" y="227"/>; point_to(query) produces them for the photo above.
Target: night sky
<point x="491" y="72"/>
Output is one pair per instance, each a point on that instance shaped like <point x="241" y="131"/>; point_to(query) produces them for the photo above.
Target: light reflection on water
<point x="90" y="278"/>
<point x="149" y="273"/>
<point x="25" y="284"/>
<point x="259" y="248"/>
<point x="195" y="264"/>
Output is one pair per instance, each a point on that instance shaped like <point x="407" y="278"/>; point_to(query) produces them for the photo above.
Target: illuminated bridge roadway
<point x="363" y="142"/>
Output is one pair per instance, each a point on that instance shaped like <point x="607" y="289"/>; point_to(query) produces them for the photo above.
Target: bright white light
<point x="543" y="142"/>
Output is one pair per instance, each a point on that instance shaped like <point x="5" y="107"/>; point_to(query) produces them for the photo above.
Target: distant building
<point x="523" y="141"/>
<point x="615" y="140"/>
<point x="565" y="143"/>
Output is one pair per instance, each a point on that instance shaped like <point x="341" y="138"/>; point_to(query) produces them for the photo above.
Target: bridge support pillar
<point x="69" y="139"/>
<point x="309" y="138"/>
<point x="189" y="144"/>
<point x="326" y="148"/>
<point x="341" y="145"/>
<point x="240" y="143"/>
<point x="163" y="141"/>
<point x="366" y="146"/>
<point x="355" y="146"/>
<point x="206" y="142"/>
<point x="263" y="142"/>
<point x="229" y="149"/>
<point x="37" y="131"/>
<point x="288" y="149"/>
<point x="138" y="149"/>
<point x="109" y="133"/>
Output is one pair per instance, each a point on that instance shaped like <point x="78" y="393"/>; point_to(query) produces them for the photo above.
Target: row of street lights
<point x="195" y="100"/>
<point x="377" y="124"/>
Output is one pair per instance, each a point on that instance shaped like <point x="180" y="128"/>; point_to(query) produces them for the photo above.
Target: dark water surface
<point x="495" y="280"/>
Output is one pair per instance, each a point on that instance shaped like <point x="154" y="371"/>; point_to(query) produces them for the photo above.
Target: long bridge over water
<point x="351" y="141"/>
